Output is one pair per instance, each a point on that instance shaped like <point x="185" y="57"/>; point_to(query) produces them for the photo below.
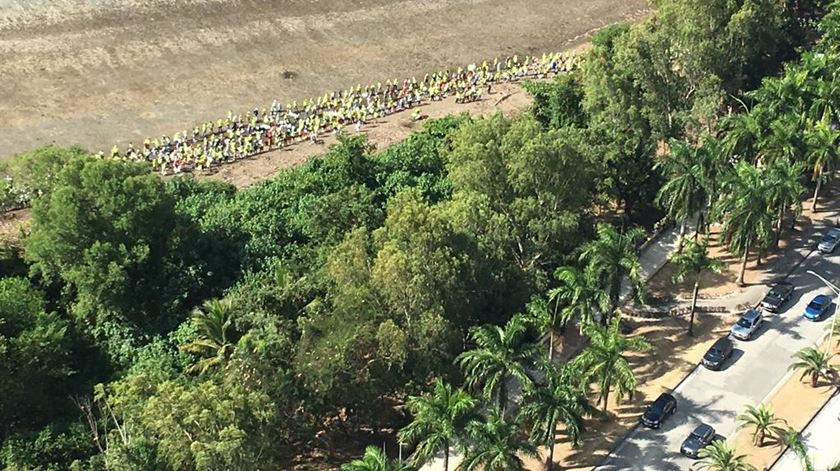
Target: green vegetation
<point x="193" y="326"/>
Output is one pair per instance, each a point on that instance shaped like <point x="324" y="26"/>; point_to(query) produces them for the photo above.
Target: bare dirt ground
<point x="99" y="72"/>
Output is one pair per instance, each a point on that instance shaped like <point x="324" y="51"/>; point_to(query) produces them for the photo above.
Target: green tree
<point x="580" y="294"/>
<point x="684" y="193"/>
<point x="216" y="340"/>
<point x="694" y="261"/>
<point x="375" y="459"/>
<point x="603" y="361"/>
<point x="786" y="190"/>
<point x="553" y="401"/>
<point x="793" y="439"/>
<point x="821" y="149"/>
<point x="814" y="363"/>
<point x="747" y="218"/>
<point x="762" y="421"/>
<point x="496" y="445"/>
<point x="438" y="422"/>
<point x="501" y="354"/>
<point x="612" y="256"/>
<point x="721" y="457"/>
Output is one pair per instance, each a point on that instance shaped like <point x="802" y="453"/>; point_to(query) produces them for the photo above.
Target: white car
<point x="829" y="241"/>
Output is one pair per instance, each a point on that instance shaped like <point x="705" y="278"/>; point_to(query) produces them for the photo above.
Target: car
<point x="718" y="353"/>
<point x="829" y="241"/>
<point x="747" y="325"/>
<point x="701" y="437"/>
<point x="817" y="308"/>
<point x="778" y="296"/>
<point x="665" y="405"/>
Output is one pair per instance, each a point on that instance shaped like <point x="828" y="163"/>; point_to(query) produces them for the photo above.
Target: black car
<point x="718" y="353"/>
<point x="661" y="408"/>
<point x="699" y="439"/>
<point x="778" y="295"/>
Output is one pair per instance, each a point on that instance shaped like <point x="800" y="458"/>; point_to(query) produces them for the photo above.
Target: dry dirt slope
<point x="96" y="72"/>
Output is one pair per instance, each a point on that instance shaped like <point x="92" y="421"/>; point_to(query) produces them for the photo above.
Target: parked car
<point x="778" y="295"/>
<point x="816" y="309"/>
<point x="829" y="241"/>
<point x="702" y="436"/>
<point x="718" y="353"/>
<point x="664" y="406"/>
<point x="747" y="325"/>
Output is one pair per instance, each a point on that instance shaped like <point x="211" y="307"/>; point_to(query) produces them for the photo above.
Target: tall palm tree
<point x="556" y="400"/>
<point x="784" y="141"/>
<point x="375" y="459"/>
<point x="763" y="422"/>
<point x="814" y="363"/>
<point x="821" y="141"/>
<point x="744" y="132"/>
<point x="216" y="340"/>
<point x="684" y="192"/>
<point x="580" y="294"/>
<point x="545" y="320"/>
<point x="718" y="456"/>
<point x="694" y="261"/>
<point x="501" y="354"/>
<point x="439" y="418"/>
<point x="603" y="361"/>
<point x="496" y="445"/>
<point x="793" y="439"/>
<point x="745" y="211"/>
<point x="612" y="257"/>
<point x="714" y="165"/>
<point x="785" y="190"/>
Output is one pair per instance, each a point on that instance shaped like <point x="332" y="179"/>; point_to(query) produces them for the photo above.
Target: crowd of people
<point x="243" y="135"/>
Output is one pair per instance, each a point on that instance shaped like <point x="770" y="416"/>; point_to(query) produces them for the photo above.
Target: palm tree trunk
<point x="446" y="455"/>
<point x="779" y="228"/>
<point x="549" y="461"/>
<point x="550" y="345"/>
<point x="817" y="190"/>
<point x="700" y="221"/>
<point x="682" y="235"/>
<point x="815" y="377"/>
<point x="693" y="305"/>
<point x="503" y="396"/>
<point x="761" y="438"/>
<point x="743" y="265"/>
<point x="606" y="398"/>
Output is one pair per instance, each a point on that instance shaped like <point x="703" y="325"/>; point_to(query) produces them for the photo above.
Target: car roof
<point x="820" y="298"/>
<point x="722" y="342"/>
<point x="665" y="397"/>
<point x="751" y="314"/>
<point x="703" y="429"/>
<point x="834" y="232"/>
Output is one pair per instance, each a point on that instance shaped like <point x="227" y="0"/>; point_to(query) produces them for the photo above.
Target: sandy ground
<point x="99" y="72"/>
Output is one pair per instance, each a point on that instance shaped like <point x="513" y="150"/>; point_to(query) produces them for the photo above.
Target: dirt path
<point x="99" y="72"/>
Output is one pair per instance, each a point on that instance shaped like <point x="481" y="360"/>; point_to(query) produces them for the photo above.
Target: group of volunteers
<point x="243" y="135"/>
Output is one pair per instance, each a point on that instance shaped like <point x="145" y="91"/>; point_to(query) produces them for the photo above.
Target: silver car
<point x="747" y="325"/>
<point x="829" y="241"/>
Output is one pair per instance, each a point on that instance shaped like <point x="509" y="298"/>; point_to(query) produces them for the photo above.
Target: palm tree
<point x="793" y="439"/>
<point x="714" y="165"/>
<point x="555" y="401"/>
<point x="545" y="320"/>
<point x="821" y="144"/>
<point x="718" y="456"/>
<point x="439" y="418"/>
<point x="786" y="189"/>
<point x="746" y="215"/>
<point x="694" y="260"/>
<point x="784" y="141"/>
<point x="580" y="293"/>
<point x="496" y="445"/>
<point x="762" y="420"/>
<point x="814" y="363"/>
<point x="499" y="356"/>
<point x="744" y="132"/>
<point x="216" y="341"/>
<point x="603" y="361"/>
<point x="684" y="191"/>
<point x="375" y="459"/>
<point x="612" y="257"/>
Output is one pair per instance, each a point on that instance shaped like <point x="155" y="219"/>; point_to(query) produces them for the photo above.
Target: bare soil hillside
<point x="99" y="72"/>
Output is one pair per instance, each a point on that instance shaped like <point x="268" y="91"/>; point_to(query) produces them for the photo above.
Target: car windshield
<point x="815" y="306"/>
<point x="744" y="322"/>
<point x="714" y="352"/>
<point x="829" y="238"/>
<point x="775" y="293"/>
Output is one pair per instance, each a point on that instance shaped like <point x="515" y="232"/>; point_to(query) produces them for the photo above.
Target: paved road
<point x="755" y="370"/>
<point x="821" y="438"/>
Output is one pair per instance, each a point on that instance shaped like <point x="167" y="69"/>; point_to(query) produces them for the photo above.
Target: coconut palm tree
<point x="744" y="132"/>
<point x="821" y="141"/>
<point x="694" y="261"/>
<point x="718" y="456"/>
<point x="375" y="459"/>
<point x="496" y="445"/>
<point x="814" y="363"/>
<point x="501" y="354"/>
<point x="763" y="422"/>
<point x="684" y="193"/>
<point x="216" y="340"/>
<point x="612" y="257"/>
<point x="714" y="166"/>
<point x="603" y="361"/>
<point x="580" y="294"/>
<point x="786" y="190"/>
<point x="438" y="420"/>
<point x="745" y="211"/>
<point x="555" y="400"/>
<point x="793" y="439"/>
